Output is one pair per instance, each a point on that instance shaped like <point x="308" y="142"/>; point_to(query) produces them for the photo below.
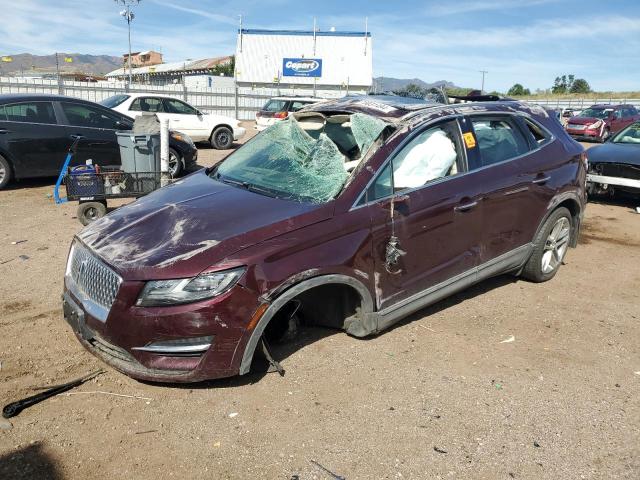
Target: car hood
<point x="628" y="153"/>
<point x="583" y="120"/>
<point x="191" y="225"/>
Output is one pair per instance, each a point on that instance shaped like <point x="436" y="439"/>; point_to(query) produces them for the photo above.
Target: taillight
<point x="280" y="115"/>
<point x="258" y="115"/>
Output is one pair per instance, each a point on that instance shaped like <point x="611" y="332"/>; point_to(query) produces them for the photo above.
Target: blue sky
<point x="525" y="41"/>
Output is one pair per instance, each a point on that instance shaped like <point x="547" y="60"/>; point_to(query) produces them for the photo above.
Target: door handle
<point x="75" y="136"/>
<point x="4" y="130"/>
<point x="541" y="180"/>
<point x="465" y="207"/>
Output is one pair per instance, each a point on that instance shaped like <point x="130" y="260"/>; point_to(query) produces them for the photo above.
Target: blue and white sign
<point x="301" y="67"/>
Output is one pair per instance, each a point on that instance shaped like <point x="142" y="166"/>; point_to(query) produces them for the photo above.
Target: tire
<point x="175" y="163"/>
<point x="221" y="138"/>
<point x="91" y="211"/>
<point x="5" y="172"/>
<point x="551" y="244"/>
<point x="605" y="135"/>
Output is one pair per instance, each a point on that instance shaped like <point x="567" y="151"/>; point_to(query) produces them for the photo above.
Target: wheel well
<point x="323" y="305"/>
<point x="574" y="209"/>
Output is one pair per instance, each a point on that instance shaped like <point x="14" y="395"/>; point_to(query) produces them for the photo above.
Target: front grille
<point x="93" y="279"/>
<point x="621" y="170"/>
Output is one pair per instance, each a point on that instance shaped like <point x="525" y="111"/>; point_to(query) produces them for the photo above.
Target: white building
<point x="333" y="63"/>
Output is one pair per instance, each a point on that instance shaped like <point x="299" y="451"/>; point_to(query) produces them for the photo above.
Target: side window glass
<point x="176" y="106"/>
<point x="433" y="154"/>
<point x="148" y="104"/>
<point x="3" y="115"/>
<point x="539" y="135"/>
<point x="135" y="105"/>
<point x="498" y="140"/>
<point x="295" y="106"/>
<point x="382" y="187"/>
<point x="31" y="112"/>
<point x="86" y="116"/>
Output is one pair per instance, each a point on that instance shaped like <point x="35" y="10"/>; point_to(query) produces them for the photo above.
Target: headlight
<point x="181" y="137"/>
<point x="597" y="124"/>
<point x="174" y="292"/>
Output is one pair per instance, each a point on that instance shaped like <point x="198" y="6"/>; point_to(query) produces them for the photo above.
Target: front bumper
<point x="589" y="134"/>
<point x="127" y="328"/>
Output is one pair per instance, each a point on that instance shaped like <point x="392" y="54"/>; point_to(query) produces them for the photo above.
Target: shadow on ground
<point x="29" y="463"/>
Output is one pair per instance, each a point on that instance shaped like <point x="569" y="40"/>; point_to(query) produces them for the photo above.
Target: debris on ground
<point x="536" y="444"/>
<point x="17" y="242"/>
<point x="509" y="340"/>
<point x="439" y="450"/>
<point x="24" y="257"/>
<point x="326" y="470"/>
<point x="233" y="414"/>
<point x="14" y="408"/>
<point x="5" y="424"/>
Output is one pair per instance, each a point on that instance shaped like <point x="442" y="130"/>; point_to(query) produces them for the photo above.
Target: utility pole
<point x="128" y="14"/>
<point x="483" y="72"/>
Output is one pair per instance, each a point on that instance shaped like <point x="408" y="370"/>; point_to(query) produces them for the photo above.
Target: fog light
<point x="178" y="346"/>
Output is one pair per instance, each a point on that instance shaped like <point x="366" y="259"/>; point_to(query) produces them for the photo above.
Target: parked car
<point x="616" y="164"/>
<point x="37" y="130"/>
<point x="352" y="215"/>
<point x="598" y="122"/>
<point x="279" y="108"/>
<point x="218" y="130"/>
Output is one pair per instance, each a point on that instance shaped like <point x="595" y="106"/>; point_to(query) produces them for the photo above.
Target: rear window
<point x="29" y="112"/>
<point x="114" y="101"/>
<point x="274" y="106"/>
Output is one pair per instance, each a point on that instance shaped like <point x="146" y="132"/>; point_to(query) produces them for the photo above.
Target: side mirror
<point x="121" y="125"/>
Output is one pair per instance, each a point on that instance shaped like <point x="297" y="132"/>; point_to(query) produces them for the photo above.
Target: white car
<point x="278" y="108"/>
<point x="218" y="130"/>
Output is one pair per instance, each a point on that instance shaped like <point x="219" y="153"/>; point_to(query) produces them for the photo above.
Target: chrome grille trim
<point x="91" y="281"/>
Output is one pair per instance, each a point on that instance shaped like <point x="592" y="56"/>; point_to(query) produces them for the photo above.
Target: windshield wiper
<point x="247" y="186"/>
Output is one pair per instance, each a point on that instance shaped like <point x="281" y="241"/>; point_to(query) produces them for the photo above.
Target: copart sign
<point x="301" y="67"/>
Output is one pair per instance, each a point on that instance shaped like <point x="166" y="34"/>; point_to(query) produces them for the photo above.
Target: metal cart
<point x="92" y="186"/>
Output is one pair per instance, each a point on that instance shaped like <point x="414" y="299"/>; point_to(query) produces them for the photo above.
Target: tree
<point x="518" y="90"/>
<point x="563" y="84"/>
<point x="580" y="85"/>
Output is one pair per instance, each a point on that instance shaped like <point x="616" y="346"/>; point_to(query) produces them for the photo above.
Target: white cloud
<point x="454" y="8"/>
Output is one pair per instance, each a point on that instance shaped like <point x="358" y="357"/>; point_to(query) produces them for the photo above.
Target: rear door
<point x="516" y="179"/>
<point x="424" y="213"/>
<point x="32" y="138"/>
<point x="97" y="125"/>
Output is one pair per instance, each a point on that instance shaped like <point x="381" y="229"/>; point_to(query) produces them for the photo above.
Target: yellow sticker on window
<point x="469" y="139"/>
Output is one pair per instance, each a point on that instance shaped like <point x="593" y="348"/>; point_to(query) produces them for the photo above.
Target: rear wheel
<point x="5" y="172"/>
<point x="551" y="243"/>
<point x="91" y="211"/>
<point x="221" y="138"/>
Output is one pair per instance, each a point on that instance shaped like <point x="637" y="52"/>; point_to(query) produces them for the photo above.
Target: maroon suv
<point x="598" y="122"/>
<point x="351" y="214"/>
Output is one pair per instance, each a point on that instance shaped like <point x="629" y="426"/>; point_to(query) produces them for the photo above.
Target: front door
<point x="97" y="126"/>
<point x="186" y="119"/>
<point x="36" y="143"/>
<point x="425" y="217"/>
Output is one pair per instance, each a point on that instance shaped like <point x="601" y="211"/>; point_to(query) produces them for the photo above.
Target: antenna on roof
<point x="366" y="32"/>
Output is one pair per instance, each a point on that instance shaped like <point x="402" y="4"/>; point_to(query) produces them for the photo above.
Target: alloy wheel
<point x="556" y="245"/>
<point x="3" y="172"/>
<point x="173" y="164"/>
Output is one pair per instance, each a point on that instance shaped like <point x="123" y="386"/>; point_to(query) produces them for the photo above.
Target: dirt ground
<point x="441" y="395"/>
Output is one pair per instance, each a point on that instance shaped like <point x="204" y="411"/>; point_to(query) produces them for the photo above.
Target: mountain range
<point x="93" y="64"/>
<point x="389" y="84"/>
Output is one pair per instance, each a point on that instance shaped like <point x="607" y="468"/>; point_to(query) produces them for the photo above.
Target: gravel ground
<point x="441" y="395"/>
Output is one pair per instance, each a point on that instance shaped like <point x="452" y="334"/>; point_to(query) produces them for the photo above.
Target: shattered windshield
<point x="306" y="159"/>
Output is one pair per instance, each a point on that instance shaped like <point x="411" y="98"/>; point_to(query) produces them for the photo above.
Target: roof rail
<point x="482" y="98"/>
